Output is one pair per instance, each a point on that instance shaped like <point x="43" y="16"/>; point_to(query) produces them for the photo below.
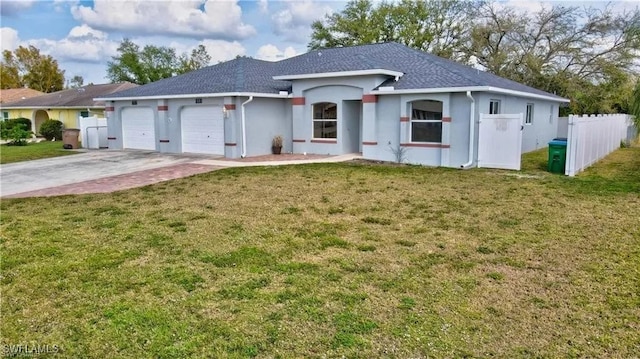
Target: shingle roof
<point x="421" y="71"/>
<point x="80" y="97"/>
<point x="11" y="95"/>
<point x="239" y="75"/>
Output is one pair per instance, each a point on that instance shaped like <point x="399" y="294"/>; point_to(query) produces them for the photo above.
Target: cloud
<point x="270" y="52"/>
<point x="188" y="18"/>
<point x="82" y="44"/>
<point x="294" y="21"/>
<point x="9" y="39"/>
<point x="263" y="5"/>
<point x="14" y="7"/>
<point x="222" y="50"/>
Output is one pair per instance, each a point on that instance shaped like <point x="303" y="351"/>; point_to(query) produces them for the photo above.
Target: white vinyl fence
<point x="93" y="132"/>
<point x="590" y="138"/>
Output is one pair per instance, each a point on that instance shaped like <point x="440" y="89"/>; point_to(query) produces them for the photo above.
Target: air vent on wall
<point x="134" y="102"/>
<point x="198" y="100"/>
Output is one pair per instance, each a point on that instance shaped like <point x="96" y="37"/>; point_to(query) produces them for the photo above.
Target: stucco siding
<point x="388" y="128"/>
<point x="266" y="118"/>
<point x="366" y="83"/>
<point x="459" y="129"/>
<point x="303" y="119"/>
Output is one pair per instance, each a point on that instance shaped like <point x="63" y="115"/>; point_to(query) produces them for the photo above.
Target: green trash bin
<point x="557" y="156"/>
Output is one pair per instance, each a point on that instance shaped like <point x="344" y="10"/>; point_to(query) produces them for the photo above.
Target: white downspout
<point x="472" y="130"/>
<point x="244" y="131"/>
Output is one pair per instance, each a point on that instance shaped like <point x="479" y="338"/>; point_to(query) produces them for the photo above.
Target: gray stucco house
<point x="369" y="99"/>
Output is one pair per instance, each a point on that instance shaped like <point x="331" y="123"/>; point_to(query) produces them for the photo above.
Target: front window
<point x="494" y="107"/>
<point x="426" y="121"/>
<point x="529" y="116"/>
<point x="325" y="120"/>
<point x="5" y="115"/>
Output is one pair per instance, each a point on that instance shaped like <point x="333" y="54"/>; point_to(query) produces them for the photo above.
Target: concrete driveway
<point x="58" y="172"/>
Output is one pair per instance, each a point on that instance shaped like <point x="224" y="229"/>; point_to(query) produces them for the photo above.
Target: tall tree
<point x="436" y="26"/>
<point x="77" y="81"/>
<point x="152" y="63"/>
<point x="27" y="67"/>
<point x="572" y="42"/>
<point x="199" y="58"/>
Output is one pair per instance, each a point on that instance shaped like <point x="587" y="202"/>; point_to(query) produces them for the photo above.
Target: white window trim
<point x="416" y="120"/>
<point x="314" y="120"/>
<point x="528" y="117"/>
<point x="499" y="106"/>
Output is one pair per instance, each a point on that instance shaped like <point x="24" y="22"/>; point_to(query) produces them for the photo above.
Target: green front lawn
<point x="32" y="151"/>
<point x="332" y="260"/>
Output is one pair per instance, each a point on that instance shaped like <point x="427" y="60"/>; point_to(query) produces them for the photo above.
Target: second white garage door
<point x="138" y="128"/>
<point x="202" y="130"/>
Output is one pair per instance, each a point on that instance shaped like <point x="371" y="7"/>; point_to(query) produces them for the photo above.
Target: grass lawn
<point x="332" y="260"/>
<point x="32" y="151"/>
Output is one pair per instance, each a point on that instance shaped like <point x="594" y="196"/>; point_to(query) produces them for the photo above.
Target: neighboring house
<point x="12" y="95"/>
<point x="66" y="105"/>
<point x="372" y="99"/>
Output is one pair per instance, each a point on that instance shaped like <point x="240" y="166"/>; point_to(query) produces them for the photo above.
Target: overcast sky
<point x="84" y="35"/>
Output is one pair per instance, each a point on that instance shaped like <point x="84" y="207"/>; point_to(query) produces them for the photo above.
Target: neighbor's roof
<point x="76" y="98"/>
<point x="418" y="70"/>
<point x="11" y="95"/>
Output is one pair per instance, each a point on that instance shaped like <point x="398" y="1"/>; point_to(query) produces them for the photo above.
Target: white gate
<point x="93" y="131"/>
<point x="500" y="141"/>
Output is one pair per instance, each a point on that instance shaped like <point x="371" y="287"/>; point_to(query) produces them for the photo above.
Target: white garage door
<point x="202" y="130"/>
<point x="138" y="128"/>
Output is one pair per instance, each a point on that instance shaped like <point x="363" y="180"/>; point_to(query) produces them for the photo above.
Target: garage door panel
<point x="138" y="128"/>
<point x="202" y="130"/>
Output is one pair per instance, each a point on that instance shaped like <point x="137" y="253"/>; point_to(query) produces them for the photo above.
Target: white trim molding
<point x="194" y="95"/>
<point x="471" y="88"/>
<point x="320" y="75"/>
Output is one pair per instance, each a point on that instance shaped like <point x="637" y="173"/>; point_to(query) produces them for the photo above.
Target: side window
<point x="84" y="113"/>
<point x="494" y="107"/>
<point x="528" y="119"/>
<point x="426" y="121"/>
<point x="325" y="120"/>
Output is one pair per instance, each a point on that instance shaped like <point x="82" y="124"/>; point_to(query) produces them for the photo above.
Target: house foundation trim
<point x="425" y="145"/>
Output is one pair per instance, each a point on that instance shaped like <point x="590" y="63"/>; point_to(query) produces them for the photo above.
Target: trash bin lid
<point x="558" y="143"/>
<point x="560" y="139"/>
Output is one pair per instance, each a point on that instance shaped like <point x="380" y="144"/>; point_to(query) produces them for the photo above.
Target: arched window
<point x="325" y="120"/>
<point x="426" y="121"/>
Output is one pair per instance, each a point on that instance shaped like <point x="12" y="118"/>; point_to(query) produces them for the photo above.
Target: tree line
<point x="586" y="54"/>
<point x="27" y="67"/>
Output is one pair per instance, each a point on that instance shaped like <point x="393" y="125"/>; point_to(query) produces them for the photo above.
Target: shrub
<point x="18" y="135"/>
<point x="8" y="125"/>
<point x="51" y="129"/>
